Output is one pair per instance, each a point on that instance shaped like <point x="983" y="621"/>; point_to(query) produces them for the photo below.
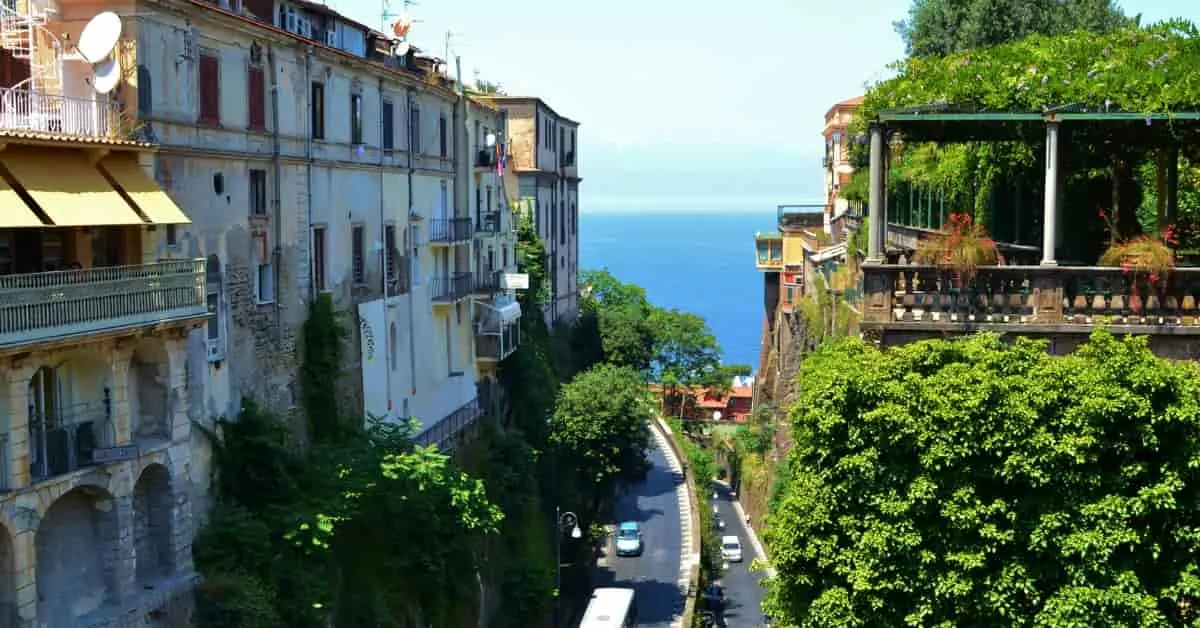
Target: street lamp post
<point x="563" y="521"/>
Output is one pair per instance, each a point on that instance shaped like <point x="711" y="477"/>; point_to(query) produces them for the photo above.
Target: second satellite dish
<point x="402" y="49"/>
<point x="99" y="37"/>
<point x="108" y="74"/>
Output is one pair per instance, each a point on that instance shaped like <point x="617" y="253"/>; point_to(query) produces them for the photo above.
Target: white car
<point x="731" y="549"/>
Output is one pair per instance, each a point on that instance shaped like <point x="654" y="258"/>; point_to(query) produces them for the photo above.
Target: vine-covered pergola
<point x="1103" y="135"/>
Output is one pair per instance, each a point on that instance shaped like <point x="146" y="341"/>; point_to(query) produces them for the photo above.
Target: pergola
<point x="942" y="124"/>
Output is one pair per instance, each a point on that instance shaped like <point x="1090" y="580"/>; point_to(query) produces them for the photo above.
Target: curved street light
<point x="563" y="521"/>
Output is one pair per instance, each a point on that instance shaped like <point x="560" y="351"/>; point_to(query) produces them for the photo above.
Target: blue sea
<point x="701" y="262"/>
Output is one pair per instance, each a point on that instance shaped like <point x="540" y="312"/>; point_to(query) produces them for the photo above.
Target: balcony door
<point x="45" y="416"/>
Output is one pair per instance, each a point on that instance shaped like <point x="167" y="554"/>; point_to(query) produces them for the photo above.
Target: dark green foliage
<point x="620" y="315"/>
<point x="975" y="483"/>
<point x="940" y="27"/>
<point x="324" y="351"/>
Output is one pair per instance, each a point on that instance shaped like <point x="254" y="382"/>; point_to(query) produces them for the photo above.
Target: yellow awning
<point x="67" y="188"/>
<point x="143" y="191"/>
<point x="14" y="213"/>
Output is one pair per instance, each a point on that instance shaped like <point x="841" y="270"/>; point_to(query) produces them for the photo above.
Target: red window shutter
<point x="258" y="98"/>
<point x="210" y="89"/>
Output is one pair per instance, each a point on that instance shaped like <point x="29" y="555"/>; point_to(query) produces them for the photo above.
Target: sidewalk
<point x="750" y="531"/>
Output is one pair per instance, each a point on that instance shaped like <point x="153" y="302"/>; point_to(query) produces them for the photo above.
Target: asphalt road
<point x="743" y="592"/>
<point x="654" y="574"/>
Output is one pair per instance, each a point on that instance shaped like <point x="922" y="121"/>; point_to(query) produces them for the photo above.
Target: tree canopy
<point x="620" y="314"/>
<point x="976" y="483"/>
<point x="940" y="27"/>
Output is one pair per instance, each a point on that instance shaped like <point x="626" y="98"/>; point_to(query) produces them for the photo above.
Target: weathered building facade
<point x="544" y="149"/>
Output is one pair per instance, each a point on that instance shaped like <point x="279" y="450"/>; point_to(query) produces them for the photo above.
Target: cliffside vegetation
<point x="991" y="484"/>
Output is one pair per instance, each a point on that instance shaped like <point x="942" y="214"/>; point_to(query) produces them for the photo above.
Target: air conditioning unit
<point x="331" y="39"/>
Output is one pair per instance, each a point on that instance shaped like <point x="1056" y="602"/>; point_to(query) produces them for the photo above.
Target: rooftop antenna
<point x="97" y="41"/>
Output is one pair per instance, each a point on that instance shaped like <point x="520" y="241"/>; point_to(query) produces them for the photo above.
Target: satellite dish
<point x="490" y="140"/>
<point x="402" y="48"/>
<point x="107" y="75"/>
<point x="99" y="37"/>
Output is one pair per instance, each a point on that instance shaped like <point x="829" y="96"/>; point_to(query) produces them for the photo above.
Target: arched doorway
<point x="152" y="526"/>
<point x="75" y="541"/>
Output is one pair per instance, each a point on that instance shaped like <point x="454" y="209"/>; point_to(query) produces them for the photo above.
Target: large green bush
<point x="974" y="483"/>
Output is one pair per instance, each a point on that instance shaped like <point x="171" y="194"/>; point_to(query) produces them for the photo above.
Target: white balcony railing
<point x="41" y="112"/>
<point x="36" y="307"/>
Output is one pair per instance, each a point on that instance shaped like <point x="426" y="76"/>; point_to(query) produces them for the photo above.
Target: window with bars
<point x="256" y="95"/>
<point x="390" y="251"/>
<point x="358" y="251"/>
<point x="210" y="88"/>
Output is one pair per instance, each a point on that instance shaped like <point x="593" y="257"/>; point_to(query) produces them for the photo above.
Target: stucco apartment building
<point x="544" y="148"/>
<point x="838" y="169"/>
<point x="159" y="242"/>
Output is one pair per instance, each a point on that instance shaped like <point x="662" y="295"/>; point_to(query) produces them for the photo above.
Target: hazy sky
<point x="682" y="103"/>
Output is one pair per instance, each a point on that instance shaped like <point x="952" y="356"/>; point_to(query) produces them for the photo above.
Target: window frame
<point x="356" y="119"/>
<point x="320" y="257"/>
<point x="256" y="97"/>
<point x="209" y="106"/>
<point x="316" y="122"/>
<point x="358" y="253"/>
<point x="257" y="192"/>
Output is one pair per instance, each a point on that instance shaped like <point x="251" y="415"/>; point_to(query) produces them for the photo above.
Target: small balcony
<point x="31" y="111"/>
<point x="485" y="158"/>
<point x="769" y="247"/>
<point x="498" y="343"/>
<point x="450" y="230"/>
<point x="921" y="301"/>
<point x="39" y="307"/>
<point x="62" y="440"/>
<point x="568" y="159"/>
<point x="487" y="223"/>
<point x="451" y="288"/>
<point x="444" y="432"/>
<point x="487" y="282"/>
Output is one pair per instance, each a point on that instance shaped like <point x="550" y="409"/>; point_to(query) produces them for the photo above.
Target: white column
<point x="1050" y="209"/>
<point x="878" y="190"/>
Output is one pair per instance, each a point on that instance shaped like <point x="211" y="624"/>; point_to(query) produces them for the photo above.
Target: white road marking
<point x="688" y="555"/>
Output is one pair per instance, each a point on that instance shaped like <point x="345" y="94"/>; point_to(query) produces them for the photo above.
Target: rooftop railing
<point x="55" y="114"/>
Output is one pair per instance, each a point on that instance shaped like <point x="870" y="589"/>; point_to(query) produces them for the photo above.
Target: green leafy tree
<point x="599" y="431"/>
<point x="620" y="314"/>
<point x="941" y="27"/>
<point x="978" y="483"/>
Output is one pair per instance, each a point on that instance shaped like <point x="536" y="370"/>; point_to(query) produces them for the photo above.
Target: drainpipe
<point x="410" y="100"/>
<point x="277" y="219"/>
<point x="308" y="166"/>
<point x="384" y="253"/>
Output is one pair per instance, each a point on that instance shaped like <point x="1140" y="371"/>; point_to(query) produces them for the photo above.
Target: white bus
<point x="611" y="607"/>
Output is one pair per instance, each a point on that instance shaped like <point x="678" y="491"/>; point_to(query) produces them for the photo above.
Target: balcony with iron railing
<point x="62" y="440"/>
<point x="39" y="307"/>
<point x="443" y="432"/>
<point x="34" y="111"/>
<point x="487" y="282"/>
<point x="446" y="289"/>
<point x="487" y="223"/>
<point x="485" y="158"/>
<point x="450" y="230"/>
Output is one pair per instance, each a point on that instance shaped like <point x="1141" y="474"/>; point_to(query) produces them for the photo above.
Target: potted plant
<point x="961" y="246"/>
<point x="1147" y="259"/>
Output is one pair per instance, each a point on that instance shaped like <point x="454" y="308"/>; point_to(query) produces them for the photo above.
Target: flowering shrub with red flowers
<point x="960" y="245"/>
<point x="1151" y="255"/>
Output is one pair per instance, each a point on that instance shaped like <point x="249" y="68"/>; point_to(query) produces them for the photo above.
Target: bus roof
<point x="607" y="608"/>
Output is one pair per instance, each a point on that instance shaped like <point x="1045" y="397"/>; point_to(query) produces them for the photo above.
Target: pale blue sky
<point x="683" y="103"/>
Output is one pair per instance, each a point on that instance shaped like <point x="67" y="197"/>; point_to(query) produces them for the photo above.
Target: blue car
<point x="629" y="539"/>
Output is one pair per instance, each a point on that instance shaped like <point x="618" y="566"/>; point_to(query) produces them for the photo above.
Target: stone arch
<point x="8" y="579"/>
<point x="149" y="390"/>
<point x="70" y="411"/>
<point x="77" y="542"/>
<point x="152" y="526"/>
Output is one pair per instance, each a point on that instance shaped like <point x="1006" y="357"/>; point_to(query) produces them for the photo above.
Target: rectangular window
<point x="443" y="144"/>
<point x="214" y="312"/>
<point x="389" y="126"/>
<point x="210" y="88"/>
<point x="318" y="111"/>
<point x="358" y="251"/>
<point x="265" y="283"/>
<point x="318" y="259"/>
<point x="562" y="138"/>
<point x="256" y="95"/>
<point x="172" y="235"/>
<point x="414" y="129"/>
<point x="356" y="125"/>
<point x="258" y="192"/>
<point x="389" y="249"/>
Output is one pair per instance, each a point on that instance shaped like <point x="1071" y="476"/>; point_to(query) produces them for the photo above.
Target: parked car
<point x="629" y="539"/>
<point x="731" y="549"/>
<point x="718" y="522"/>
